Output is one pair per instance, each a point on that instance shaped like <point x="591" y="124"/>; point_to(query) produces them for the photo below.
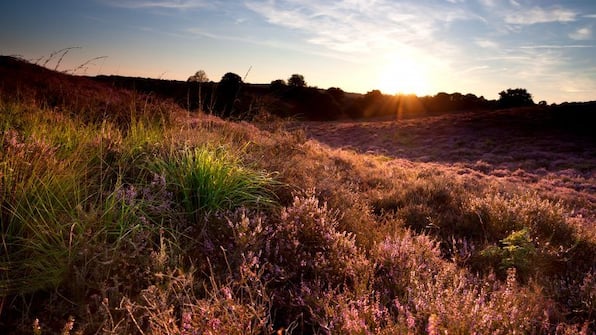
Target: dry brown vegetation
<point x="189" y="224"/>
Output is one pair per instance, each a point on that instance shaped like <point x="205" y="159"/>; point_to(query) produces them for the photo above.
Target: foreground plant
<point x="207" y="179"/>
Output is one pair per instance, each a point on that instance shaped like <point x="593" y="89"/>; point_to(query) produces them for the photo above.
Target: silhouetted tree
<point x="227" y="92"/>
<point x="452" y="102"/>
<point x="517" y="97"/>
<point x="337" y="93"/>
<point x="277" y="85"/>
<point x="373" y="103"/>
<point x="297" y="80"/>
<point x="373" y="96"/>
<point x="314" y="104"/>
<point x="199" y="77"/>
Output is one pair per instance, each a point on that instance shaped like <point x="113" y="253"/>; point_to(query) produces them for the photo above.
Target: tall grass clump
<point x="36" y="193"/>
<point x="39" y="233"/>
<point x="70" y="207"/>
<point x="207" y="179"/>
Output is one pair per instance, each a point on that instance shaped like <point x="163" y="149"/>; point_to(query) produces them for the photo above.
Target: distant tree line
<point x="305" y="102"/>
<point x="376" y="104"/>
<point x="232" y="98"/>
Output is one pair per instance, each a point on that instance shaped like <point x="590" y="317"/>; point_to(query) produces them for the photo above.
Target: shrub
<point x="307" y="255"/>
<point x="402" y="259"/>
<point x="517" y="251"/>
<point x="177" y="304"/>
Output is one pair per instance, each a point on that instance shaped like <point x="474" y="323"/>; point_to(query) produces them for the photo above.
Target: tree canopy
<point x="227" y="92"/>
<point x="230" y="78"/>
<point x="297" y="80"/>
<point x="199" y="77"/>
<point x="518" y="97"/>
<point x="277" y="85"/>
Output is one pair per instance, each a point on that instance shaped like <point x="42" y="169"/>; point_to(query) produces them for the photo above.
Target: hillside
<point x="520" y="146"/>
<point x="123" y="213"/>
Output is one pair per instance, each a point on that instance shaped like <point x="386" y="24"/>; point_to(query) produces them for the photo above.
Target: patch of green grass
<point x="40" y="231"/>
<point x="206" y="179"/>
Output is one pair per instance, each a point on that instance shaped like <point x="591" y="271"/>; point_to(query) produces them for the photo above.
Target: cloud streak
<point x="487" y="44"/>
<point x="540" y="15"/>
<point x="555" y="46"/>
<point x="360" y="26"/>
<point x="158" y="4"/>
<point x="264" y="42"/>
<point x="581" y="34"/>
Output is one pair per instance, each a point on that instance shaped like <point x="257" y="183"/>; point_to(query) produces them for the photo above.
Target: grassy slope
<point x="141" y="218"/>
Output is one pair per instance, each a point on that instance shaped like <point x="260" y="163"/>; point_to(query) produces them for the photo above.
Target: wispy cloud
<point x="264" y="42"/>
<point x="372" y="24"/>
<point x="540" y="15"/>
<point x="487" y="44"/>
<point x="555" y="46"/>
<point x="474" y="69"/>
<point x="160" y="4"/>
<point x="368" y="29"/>
<point x="581" y="34"/>
<point x="488" y="3"/>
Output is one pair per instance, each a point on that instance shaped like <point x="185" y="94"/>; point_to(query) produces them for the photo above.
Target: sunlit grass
<point x="39" y="233"/>
<point x="210" y="179"/>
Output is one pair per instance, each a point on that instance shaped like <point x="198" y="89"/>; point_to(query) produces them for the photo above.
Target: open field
<point x="123" y="214"/>
<point x="521" y="147"/>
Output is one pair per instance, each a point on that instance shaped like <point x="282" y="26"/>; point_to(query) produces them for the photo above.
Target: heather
<point x="162" y="221"/>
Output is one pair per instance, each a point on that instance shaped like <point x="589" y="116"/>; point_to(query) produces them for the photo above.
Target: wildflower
<point x="227" y="293"/>
<point x="186" y="323"/>
<point x="410" y="321"/>
<point x="214" y="324"/>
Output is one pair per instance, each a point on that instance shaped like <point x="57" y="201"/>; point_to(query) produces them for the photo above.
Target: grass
<point x="190" y="224"/>
<point x="206" y="180"/>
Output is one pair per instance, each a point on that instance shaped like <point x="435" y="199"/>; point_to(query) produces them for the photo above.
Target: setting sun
<point x="403" y="75"/>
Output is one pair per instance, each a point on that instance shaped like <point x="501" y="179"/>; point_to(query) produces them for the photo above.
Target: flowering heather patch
<point x="529" y="152"/>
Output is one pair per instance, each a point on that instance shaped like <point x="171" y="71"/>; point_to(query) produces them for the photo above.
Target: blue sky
<point x="411" y="46"/>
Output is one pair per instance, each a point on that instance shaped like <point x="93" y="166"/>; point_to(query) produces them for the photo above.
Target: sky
<point x="410" y="46"/>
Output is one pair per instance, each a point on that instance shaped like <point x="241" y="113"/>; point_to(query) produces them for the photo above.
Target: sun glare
<point x="405" y="76"/>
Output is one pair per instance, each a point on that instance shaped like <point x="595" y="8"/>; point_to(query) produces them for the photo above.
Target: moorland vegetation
<point x="123" y="213"/>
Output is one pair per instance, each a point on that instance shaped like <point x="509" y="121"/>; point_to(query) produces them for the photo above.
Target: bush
<point x="517" y="251"/>
<point x="308" y="255"/>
